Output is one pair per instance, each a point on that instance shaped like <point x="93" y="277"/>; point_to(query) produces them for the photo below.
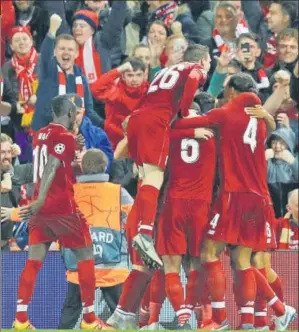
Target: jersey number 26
<point x="166" y="78"/>
<point x="40" y="158"/>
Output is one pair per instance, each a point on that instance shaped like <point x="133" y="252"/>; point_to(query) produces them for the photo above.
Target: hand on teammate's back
<point x="203" y="133"/>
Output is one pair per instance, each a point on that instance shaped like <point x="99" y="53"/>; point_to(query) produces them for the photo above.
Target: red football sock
<point x="147" y="208"/>
<point x="144" y="307"/>
<point x="87" y="283"/>
<point x="157" y="296"/>
<point x="268" y="293"/>
<point x="245" y="281"/>
<point x="260" y="308"/>
<point x="175" y="294"/>
<point x="26" y="287"/>
<point x="203" y="290"/>
<point x="215" y="281"/>
<point x="133" y="290"/>
<point x="192" y="289"/>
<point x="276" y="285"/>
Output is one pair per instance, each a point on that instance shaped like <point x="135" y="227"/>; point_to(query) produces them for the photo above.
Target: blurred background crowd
<point x="92" y="42"/>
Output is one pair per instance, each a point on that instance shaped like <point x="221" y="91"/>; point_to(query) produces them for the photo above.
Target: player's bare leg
<point x="146" y="212"/>
<point x="87" y="283"/>
<point x="124" y="316"/>
<point x="36" y="256"/>
<point x="175" y="291"/>
<point x="215" y="282"/>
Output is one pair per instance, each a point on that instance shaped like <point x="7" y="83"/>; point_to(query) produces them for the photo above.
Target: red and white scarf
<point x="242" y="27"/>
<point x="24" y="68"/>
<point x="270" y="56"/>
<point x="166" y="13"/>
<point x="62" y="84"/>
<point x="264" y="82"/>
<point x="89" y="61"/>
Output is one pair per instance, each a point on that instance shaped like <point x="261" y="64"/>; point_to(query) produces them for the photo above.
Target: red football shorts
<point x="182" y="226"/>
<point x="71" y="231"/>
<point x="148" y="139"/>
<point x="239" y="219"/>
<point x="131" y="231"/>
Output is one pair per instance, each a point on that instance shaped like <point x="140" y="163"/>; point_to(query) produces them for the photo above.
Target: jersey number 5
<point x="40" y="158"/>
<point x="166" y="79"/>
<point x="249" y="136"/>
<point x="189" y="150"/>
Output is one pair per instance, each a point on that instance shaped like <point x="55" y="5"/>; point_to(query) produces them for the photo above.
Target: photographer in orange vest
<point x="106" y="207"/>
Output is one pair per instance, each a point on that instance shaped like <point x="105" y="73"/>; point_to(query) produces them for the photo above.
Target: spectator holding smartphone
<point x="248" y="53"/>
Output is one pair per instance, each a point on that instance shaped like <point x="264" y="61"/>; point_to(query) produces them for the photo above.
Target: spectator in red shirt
<point x="122" y="90"/>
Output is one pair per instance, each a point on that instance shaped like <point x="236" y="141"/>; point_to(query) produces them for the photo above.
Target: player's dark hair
<point x="206" y="101"/>
<point x="136" y="63"/>
<point x="242" y="82"/>
<point x="64" y="104"/>
<point x="195" y="53"/>
<point x="94" y="161"/>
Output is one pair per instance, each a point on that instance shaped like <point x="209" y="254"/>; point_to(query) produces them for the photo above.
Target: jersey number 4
<point x="40" y="158"/>
<point x="166" y="78"/>
<point x="189" y="150"/>
<point x="249" y="136"/>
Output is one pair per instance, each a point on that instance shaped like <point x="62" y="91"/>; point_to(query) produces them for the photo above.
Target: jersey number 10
<point x="40" y="158"/>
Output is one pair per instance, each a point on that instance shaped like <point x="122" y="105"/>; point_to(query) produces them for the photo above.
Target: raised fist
<point x="177" y="28"/>
<point x="55" y="23"/>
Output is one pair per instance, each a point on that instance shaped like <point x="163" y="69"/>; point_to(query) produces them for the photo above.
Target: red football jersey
<point x="242" y="165"/>
<point x="172" y="90"/>
<point x="192" y="165"/>
<point x="57" y="141"/>
<point x="287" y="231"/>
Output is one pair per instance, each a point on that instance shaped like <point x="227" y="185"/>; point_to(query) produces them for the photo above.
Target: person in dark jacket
<point x="58" y="75"/>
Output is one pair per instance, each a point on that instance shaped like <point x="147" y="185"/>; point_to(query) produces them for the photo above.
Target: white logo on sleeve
<point x="59" y="148"/>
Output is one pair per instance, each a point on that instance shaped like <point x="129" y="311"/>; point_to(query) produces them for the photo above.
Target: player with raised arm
<point x="148" y="134"/>
<point x="171" y="91"/>
<point x="54" y="213"/>
<point x="241" y="210"/>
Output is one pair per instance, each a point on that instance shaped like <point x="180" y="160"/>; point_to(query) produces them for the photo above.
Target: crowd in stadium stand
<point x="108" y="53"/>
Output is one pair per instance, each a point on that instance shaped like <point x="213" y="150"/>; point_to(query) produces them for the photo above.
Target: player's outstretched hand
<point x="258" y="112"/>
<point x="203" y="133"/>
<point x="25" y="212"/>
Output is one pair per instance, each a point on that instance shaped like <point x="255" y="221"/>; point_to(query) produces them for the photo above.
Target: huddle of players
<point x="150" y="140"/>
<point x="187" y="224"/>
